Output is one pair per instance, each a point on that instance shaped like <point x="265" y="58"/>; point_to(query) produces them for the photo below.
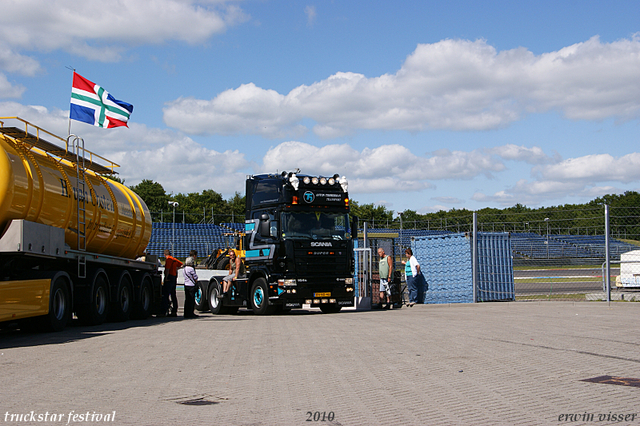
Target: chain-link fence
<point x="553" y="254"/>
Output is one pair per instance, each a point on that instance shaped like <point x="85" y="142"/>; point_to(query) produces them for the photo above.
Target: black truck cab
<point x="298" y="242"/>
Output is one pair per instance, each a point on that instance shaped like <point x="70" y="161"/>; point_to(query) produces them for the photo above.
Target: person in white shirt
<point x="412" y="270"/>
<point x="190" y="282"/>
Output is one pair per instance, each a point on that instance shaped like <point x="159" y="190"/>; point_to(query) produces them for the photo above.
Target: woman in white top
<point x="190" y="282"/>
<point x="412" y="270"/>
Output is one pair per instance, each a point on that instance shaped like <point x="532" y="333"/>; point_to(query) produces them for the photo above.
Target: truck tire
<point x="202" y="301"/>
<point x="59" y="304"/>
<point x="331" y="308"/>
<point x="143" y="304"/>
<point x="223" y="264"/>
<point x="94" y="310"/>
<point x="122" y="304"/>
<point x="216" y="306"/>
<point x="259" y="298"/>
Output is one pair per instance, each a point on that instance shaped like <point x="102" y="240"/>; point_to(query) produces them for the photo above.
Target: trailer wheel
<point x="215" y="304"/>
<point x="202" y="303"/>
<point x="123" y="303"/>
<point x="59" y="304"/>
<point x="260" y="298"/>
<point x="332" y="308"/>
<point x="96" y="308"/>
<point x="142" y="306"/>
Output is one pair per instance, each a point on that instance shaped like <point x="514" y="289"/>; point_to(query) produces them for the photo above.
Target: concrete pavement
<point x="520" y="363"/>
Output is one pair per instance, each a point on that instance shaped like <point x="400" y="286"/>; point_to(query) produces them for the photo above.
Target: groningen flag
<point x="92" y="104"/>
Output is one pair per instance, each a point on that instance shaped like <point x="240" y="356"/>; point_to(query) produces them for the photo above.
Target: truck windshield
<point x="315" y="225"/>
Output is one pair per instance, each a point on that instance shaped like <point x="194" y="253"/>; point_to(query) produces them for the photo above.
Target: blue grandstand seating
<point x="188" y="236"/>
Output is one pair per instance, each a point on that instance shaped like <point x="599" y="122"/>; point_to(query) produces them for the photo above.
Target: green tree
<point x="377" y="216"/>
<point x="153" y="194"/>
<point x="237" y="205"/>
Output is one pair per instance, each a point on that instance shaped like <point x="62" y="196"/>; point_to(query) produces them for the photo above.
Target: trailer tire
<point x="215" y="304"/>
<point x="201" y="299"/>
<point x="95" y="309"/>
<point x="260" y="298"/>
<point x="122" y="303"/>
<point x="143" y="305"/>
<point x="59" y="304"/>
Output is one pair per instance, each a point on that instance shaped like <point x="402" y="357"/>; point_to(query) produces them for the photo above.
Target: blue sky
<point x="422" y="105"/>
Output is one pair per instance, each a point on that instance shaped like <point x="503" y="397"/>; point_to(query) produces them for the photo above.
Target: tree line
<point x="210" y="206"/>
<point x="194" y="207"/>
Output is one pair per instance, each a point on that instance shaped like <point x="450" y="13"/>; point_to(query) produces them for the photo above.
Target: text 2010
<point x="317" y="416"/>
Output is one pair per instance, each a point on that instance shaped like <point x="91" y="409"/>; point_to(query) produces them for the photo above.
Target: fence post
<point x="364" y="236"/>
<point x="400" y="215"/>
<point x="474" y="254"/>
<point x="606" y="250"/>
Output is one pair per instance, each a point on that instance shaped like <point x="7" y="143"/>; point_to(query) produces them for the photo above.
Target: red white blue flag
<point x="92" y="104"/>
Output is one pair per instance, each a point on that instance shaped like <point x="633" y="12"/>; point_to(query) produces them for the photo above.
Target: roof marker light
<point x="343" y="183"/>
<point x="294" y="181"/>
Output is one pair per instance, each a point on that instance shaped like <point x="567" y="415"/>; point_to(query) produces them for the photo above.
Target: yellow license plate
<point x="321" y="294"/>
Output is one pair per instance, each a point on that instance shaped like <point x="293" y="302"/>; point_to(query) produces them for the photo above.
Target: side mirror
<point x="264" y="229"/>
<point x="354" y="227"/>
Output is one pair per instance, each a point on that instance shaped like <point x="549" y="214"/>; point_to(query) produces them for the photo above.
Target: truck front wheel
<point x="260" y="297"/>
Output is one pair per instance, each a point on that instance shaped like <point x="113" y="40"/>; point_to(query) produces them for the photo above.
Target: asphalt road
<point x="484" y="364"/>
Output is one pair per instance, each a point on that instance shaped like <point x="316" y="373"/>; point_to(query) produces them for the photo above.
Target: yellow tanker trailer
<point x="69" y="236"/>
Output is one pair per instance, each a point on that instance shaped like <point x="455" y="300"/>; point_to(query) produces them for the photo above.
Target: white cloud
<point x="13" y="62"/>
<point x="387" y="168"/>
<point x="448" y="200"/>
<point x="185" y="166"/>
<point x="584" y="177"/>
<point x="533" y="155"/>
<point x="8" y="90"/>
<point x="100" y="31"/>
<point x="311" y="13"/>
<point x="599" y="167"/>
<point x="451" y="84"/>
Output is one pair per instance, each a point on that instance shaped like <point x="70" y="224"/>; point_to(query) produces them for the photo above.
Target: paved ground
<point x="485" y="364"/>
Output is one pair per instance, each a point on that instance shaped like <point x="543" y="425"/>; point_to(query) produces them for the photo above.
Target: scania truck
<point x="298" y="246"/>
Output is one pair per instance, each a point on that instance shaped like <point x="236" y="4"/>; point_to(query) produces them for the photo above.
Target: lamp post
<point x="173" y="232"/>
<point x="546" y="219"/>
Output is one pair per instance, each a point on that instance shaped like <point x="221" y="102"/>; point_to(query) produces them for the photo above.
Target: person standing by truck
<point x="171" y="266"/>
<point x="385" y="269"/>
<point x="190" y="282"/>
<point x="412" y="271"/>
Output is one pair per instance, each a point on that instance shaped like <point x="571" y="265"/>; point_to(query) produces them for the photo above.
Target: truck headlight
<point x="348" y="280"/>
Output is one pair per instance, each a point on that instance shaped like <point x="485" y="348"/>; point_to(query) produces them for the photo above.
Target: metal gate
<point x="363" y="271"/>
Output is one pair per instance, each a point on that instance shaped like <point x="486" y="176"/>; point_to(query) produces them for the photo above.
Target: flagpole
<point x="74" y="71"/>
